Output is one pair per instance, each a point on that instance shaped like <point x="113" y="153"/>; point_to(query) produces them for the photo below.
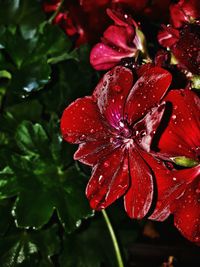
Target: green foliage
<point x="43" y="208"/>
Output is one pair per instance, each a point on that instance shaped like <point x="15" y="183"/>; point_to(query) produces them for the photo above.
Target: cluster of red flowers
<point x="140" y="135"/>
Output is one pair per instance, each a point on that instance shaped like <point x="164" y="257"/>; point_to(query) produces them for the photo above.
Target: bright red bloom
<point x="181" y="139"/>
<point x="184" y="44"/>
<point x="114" y="128"/>
<point x="185" y="11"/>
<point x="183" y="36"/>
<point x="119" y="41"/>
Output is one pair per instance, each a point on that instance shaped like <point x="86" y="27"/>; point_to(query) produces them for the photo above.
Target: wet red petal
<point x="81" y="121"/>
<point x="182" y="135"/>
<point x="91" y="153"/>
<point x="168" y="36"/>
<point x="138" y="199"/>
<point x="187" y="212"/>
<point x="109" y="180"/>
<point x="121" y="38"/>
<point x="186" y="50"/>
<point x="146" y="128"/>
<point x="184" y="11"/>
<point x="103" y="57"/>
<point x="170" y="185"/>
<point x="111" y="94"/>
<point x="147" y="92"/>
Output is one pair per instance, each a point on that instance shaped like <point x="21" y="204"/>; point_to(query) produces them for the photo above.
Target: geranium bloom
<point x="119" y="41"/>
<point x="183" y="36"/>
<point x="180" y="143"/>
<point x="185" y="11"/>
<point x="114" y="128"/>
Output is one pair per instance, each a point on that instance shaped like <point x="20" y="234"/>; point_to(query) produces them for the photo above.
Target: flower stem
<point x="56" y="12"/>
<point x="114" y="239"/>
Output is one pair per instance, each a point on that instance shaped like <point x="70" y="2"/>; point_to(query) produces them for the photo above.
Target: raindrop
<point x="100" y="178"/>
<point x="106" y="164"/>
<point x="105" y="83"/>
<point x="78" y="223"/>
<point x="173" y="117"/>
<point x="174" y="178"/>
<point x="143" y="133"/>
<point x="117" y="88"/>
<point x="140" y="84"/>
<point x="82" y="137"/>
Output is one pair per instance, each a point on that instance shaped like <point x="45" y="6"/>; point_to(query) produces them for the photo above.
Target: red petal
<point x="120" y="37"/>
<point x="187" y="212"/>
<point x="147" y="127"/>
<point x="111" y="94"/>
<point x="81" y="121"/>
<point x="168" y="36"/>
<point x="103" y="57"/>
<point x="170" y="185"/>
<point x="109" y="180"/>
<point x="182" y="136"/>
<point x="147" y="92"/>
<point x="91" y="153"/>
<point x="184" y="11"/>
<point x="186" y="50"/>
<point x="138" y="199"/>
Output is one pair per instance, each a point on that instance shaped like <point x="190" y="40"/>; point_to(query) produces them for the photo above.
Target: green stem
<point x="56" y="12"/>
<point x="114" y="239"/>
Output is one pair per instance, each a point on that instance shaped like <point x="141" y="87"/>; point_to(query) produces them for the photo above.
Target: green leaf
<point x="44" y="182"/>
<point x="32" y="139"/>
<point x="27" y="14"/>
<point x="5" y="215"/>
<point x="42" y="192"/>
<point x="27" y="248"/>
<point x="184" y="161"/>
<point x="93" y="245"/>
<point x="8" y="183"/>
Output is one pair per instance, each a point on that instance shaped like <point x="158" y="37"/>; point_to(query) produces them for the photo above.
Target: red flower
<point x="184" y="44"/>
<point x="119" y="41"/>
<point x="183" y="36"/>
<point x="51" y="6"/>
<point x="185" y="11"/>
<point x="180" y="143"/>
<point x="114" y="128"/>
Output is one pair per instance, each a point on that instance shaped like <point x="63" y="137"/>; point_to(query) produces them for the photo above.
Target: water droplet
<point x="197" y="191"/>
<point x="138" y="104"/>
<point x="82" y="137"/>
<point x="174" y="178"/>
<point x="78" y="223"/>
<point x="117" y="88"/>
<point x="173" y="117"/>
<point x="111" y="139"/>
<point x="106" y="164"/>
<point x="104" y="83"/>
<point x="100" y="178"/>
<point x="92" y="131"/>
<point x="140" y="84"/>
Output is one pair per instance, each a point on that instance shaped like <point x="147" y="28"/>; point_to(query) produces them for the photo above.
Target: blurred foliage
<point x="43" y="208"/>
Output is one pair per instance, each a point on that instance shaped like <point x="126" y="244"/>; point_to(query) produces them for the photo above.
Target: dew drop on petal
<point x="106" y="164"/>
<point x="82" y="137"/>
<point x="117" y="88"/>
<point x="173" y="117"/>
<point x="140" y="84"/>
